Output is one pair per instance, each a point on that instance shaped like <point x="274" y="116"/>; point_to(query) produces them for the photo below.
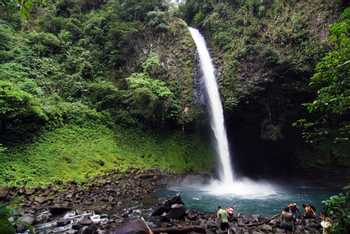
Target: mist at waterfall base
<point x="202" y="196"/>
<point x="247" y="196"/>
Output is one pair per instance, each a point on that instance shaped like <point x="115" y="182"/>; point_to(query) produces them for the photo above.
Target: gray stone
<point x="257" y="232"/>
<point x="26" y="219"/>
<point x="85" y="221"/>
<point x="266" y="228"/>
<point x="63" y="222"/>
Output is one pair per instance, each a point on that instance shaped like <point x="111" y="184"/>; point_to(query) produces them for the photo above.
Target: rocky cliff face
<point x="176" y="52"/>
<point x="265" y="53"/>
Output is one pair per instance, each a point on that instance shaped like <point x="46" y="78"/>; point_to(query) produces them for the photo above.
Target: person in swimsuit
<point x="293" y="208"/>
<point x="309" y="211"/>
<point x="287" y="221"/>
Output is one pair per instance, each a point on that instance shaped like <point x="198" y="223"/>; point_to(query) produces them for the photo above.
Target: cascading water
<point x="215" y="108"/>
<point x="244" y="194"/>
<point x="226" y="184"/>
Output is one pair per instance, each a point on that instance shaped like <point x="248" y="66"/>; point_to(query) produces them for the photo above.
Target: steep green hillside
<point x="69" y="70"/>
<point x="77" y="152"/>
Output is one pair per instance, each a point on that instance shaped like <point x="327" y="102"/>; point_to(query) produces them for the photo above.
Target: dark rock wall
<point x="263" y="73"/>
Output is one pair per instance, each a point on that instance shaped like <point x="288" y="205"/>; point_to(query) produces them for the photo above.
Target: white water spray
<point x="215" y="108"/>
<point x="226" y="184"/>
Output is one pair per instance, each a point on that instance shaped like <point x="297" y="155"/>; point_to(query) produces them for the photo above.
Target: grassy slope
<point x="77" y="152"/>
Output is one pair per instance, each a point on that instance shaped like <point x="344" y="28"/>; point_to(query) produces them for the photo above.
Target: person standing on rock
<point x="293" y="208"/>
<point x="222" y="219"/>
<point x="287" y="221"/>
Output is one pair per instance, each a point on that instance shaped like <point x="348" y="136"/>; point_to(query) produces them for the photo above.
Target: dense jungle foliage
<point x="74" y="86"/>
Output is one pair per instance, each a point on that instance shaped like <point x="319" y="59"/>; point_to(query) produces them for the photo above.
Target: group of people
<point x="224" y="216"/>
<point x="289" y="218"/>
<point x="292" y="216"/>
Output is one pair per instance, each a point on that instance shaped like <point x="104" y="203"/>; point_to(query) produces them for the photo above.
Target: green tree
<point x="338" y="208"/>
<point x="19" y="111"/>
<point x="329" y="118"/>
<point x="137" y="10"/>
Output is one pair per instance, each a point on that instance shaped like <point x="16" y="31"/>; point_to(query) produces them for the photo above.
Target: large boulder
<point x="168" y="205"/>
<point x="59" y="210"/>
<point x="177" y="211"/>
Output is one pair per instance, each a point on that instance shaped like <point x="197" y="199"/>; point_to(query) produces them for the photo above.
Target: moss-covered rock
<point x="174" y="49"/>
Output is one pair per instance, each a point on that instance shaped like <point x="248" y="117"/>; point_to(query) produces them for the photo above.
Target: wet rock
<point x="192" y="215"/>
<point x="76" y="226"/>
<point x="92" y="229"/>
<point x="63" y="222"/>
<point x="86" y="221"/>
<point x="257" y="232"/>
<point x="274" y="222"/>
<point x="266" y="228"/>
<point x="27" y="219"/>
<point x="173" y="208"/>
<point x="43" y="217"/>
<point x="21" y="227"/>
<point x="255" y="218"/>
<point x="40" y="199"/>
<point x="59" y="210"/>
<point x="177" y="211"/>
<point x="159" y="211"/>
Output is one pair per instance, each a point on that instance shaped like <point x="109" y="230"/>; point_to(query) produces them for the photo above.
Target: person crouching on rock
<point x="229" y="212"/>
<point x="222" y="218"/>
<point x="287" y="222"/>
<point x="309" y="211"/>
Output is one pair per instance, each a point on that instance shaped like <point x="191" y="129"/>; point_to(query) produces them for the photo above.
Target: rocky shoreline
<point x="114" y="202"/>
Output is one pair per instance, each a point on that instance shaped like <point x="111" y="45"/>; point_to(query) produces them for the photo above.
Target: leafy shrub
<point x="193" y="11"/>
<point x="137" y="10"/>
<point x="74" y="27"/>
<point x="331" y="82"/>
<point x="157" y="20"/>
<point x="66" y="112"/>
<point x="19" y="111"/>
<point x="141" y="80"/>
<point x="151" y="98"/>
<point x="145" y="104"/>
<point x="9" y="12"/>
<point x="105" y="96"/>
<point x="45" y="43"/>
<point x="53" y="24"/>
<point x="87" y="5"/>
<point x="67" y="8"/>
<point x="14" y="72"/>
<point x="6" y="36"/>
<point x="338" y="208"/>
<point x="5" y="225"/>
<point x="152" y="65"/>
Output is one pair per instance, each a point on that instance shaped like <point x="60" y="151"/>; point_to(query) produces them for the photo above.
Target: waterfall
<point x="216" y="112"/>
